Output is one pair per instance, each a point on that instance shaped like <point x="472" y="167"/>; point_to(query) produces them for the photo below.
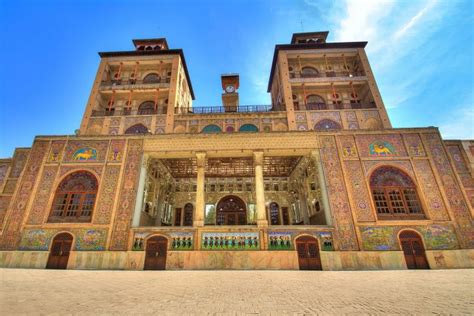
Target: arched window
<point x="274" y="214"/>
<point x="248" y="128"/>
<point x="152" y="78"/>
<point x="309" y="72"/>
<point x="315" y="102"/>
<point x="75" y="198"/>
<point x="394" y="194"/>
<point x="326" y="124"/>
<point x="137" y="129"/>
<point x="211" y="129"/>
<point x="146" y="108"/>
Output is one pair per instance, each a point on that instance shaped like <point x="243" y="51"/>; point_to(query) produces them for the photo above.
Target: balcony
<point x="125" y="112"/>
<point x="323" y="76"/>
<point x="136" y="85"/>
<point x="333" y="106"/>
<point x="221" y="109"/>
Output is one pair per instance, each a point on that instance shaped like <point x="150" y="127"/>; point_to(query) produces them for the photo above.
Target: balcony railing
<point x="333" y="106"/>
<point x="96" y="113"/>
<point x="327" y="74"/>
<point x="228" y="109"/>
<point x="132" y="82"/>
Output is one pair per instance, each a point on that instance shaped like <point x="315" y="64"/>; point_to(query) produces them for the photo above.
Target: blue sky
<point x="421" y="53"/>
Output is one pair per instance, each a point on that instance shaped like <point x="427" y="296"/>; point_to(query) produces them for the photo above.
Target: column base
<point x="262" y="223"/>
<point x="198" y="223"/>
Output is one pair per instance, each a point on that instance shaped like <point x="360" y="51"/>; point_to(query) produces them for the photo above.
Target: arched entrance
<point x="59" y="253"/>
<point x="155" y="253"/>
<point x="231" y="211"/>
<point x="308" y="253"/>
<point x="413" y="249"/>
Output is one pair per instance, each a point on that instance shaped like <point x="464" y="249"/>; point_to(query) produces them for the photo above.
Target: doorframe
<point x="319" y="247"/>
<point x="73" y="242"/>
<point x="422" y="242"/>
<point x="168" y="244"/>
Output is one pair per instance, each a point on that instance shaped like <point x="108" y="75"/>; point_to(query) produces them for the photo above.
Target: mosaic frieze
<point x="114" y="130"/>
<point x="90" y="239"/>
<point x="36" y="239"/>
<point x="458" y="205"/>
<point x="56" y="150"/>
<point x="380" y="146"/>
<point x="230" y="241"/>
<point x="300" y="117"/>
<point x="280" y="240"/>
<point x="160" y="130"/>
<point x="85" y="151"/>
<point x="115" y="121"/>
<point x="182" y="241"/>
<point x="19" y="162"/>
<point x="105" y="205"/>
<point x="302" y="127"/>
<point x="379" y="238"/>
<point x="17" y="211"/>
<point x="284" y="240"/>
<point x="414" y="145"/>
<point x="435" y="237"/>
<point x="360" y="194"/>
<point x="429" y="187"/>
<point x="338" y="198"/>
<point x="439" y="237"/>
<point x="128" y="194"/>
<point x="116" y="150"/>
<point x="139" y="241"/>
<point x="85" y="239"/>
<point x="45" y="190"/>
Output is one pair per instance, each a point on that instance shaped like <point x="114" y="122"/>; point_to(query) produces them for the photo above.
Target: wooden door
<point x="413" y="250"/>
<point x="188" y="215"/>
<point x="308" y="253"/>
<point x="59" y="254"/>
<point x="286" y="216"/>
<point x="155" y="253"/>
<point x="177" y="217"/>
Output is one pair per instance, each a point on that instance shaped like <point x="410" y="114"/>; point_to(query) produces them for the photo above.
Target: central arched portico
<point x="231" y="210"/>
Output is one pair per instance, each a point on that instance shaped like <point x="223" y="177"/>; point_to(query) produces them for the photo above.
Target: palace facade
<point x="319" y="179"/>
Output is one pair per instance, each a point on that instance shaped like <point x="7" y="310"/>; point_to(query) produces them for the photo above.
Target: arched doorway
<point x="59" y="253"/>
<point x="308" y="253"/>
<point x="155" y="253"/>
<point x="413" y="249"/>
<point x="231" y="211"/>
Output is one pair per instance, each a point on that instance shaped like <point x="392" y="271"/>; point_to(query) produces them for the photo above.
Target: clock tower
<point x="230" y="97"/>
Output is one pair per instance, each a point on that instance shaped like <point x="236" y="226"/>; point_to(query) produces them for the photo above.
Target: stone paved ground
<point x="236" y="292"/>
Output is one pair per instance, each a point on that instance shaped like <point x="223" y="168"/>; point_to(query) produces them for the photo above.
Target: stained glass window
<point x="75" y="198"/>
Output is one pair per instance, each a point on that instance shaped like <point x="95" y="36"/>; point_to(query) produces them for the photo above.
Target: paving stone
<point x="236" y="292"/>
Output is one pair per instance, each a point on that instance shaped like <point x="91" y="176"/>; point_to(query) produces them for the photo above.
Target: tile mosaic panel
<point x="386" y="145"/>
<point x="230" y="241"/>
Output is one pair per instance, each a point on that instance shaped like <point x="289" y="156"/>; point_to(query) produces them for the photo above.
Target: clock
<point x="229" y="89"/>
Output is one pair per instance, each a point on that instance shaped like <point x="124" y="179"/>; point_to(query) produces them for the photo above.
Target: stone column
<point x="259" y="189"/>
<point x="315" y="154"/>
<point x="200" y="195"/>
<point x="141" y="193"/>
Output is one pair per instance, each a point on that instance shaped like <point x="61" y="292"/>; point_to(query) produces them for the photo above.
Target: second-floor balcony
<point x="327" y="74"/>
<point x="226" y="109"/>
<point x="129" y="84"/>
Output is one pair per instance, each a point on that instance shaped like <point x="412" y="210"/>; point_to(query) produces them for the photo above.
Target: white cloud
<point x="459" y="125"/>
<point x="414" y="20"/>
